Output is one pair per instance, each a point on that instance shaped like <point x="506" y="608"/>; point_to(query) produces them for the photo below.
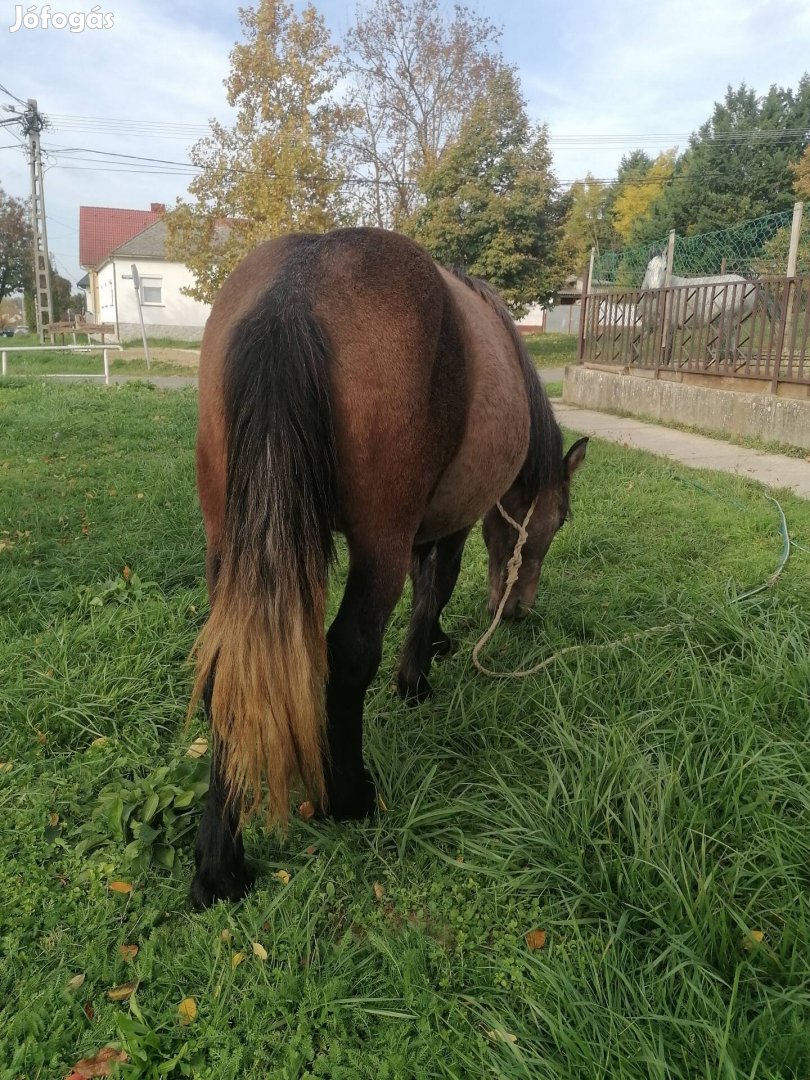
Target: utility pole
<point x="32" y="125"/>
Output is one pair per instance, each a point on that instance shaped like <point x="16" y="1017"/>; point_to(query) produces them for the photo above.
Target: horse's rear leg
<point x="434" y="572"/>
<point x="354" y="644"/>
<point x="221" y="872"/>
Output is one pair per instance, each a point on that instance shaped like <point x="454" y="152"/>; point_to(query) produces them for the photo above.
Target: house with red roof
<point x="125" y="255"/>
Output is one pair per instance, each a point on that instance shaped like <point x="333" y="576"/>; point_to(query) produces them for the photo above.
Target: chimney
<point x="158" y="208"/>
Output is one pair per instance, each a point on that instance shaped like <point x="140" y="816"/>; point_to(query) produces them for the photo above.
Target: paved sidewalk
<point x="696" y="451"/>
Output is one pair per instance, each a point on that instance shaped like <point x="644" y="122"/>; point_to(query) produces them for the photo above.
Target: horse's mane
<point x="543" y="466"/>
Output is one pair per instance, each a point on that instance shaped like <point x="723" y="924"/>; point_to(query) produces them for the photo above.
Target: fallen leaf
<point x="225" y="935"/>
<point x="237" y="959"/>
<point x="197" y="748"/>
<point x="41" y="736"/>
<point x="259" y="950"/>
<point x="75" y="982"/>
<point x="123" y="992"/>
<point x="100" y="741"/>
<point x="283" y="876"/>
<point x="755" y="937"/>
<point x="502" y="1036"/>
<point x="310" y="850"/>
<point x="53" y="820"/>
<point x="6" y="766"/>
<point x="379" y="890"/>
<point x="128" y="952"/>
<point x="381" y="804"/>
<point x="139" y="495"/>
<point x="88" y="1009"/>
<point x="306" y="810"/>
<point x="120" y="887"/>
<point x="536" y="939"/>
<point x="126" y="573"/>
<point x="98" y="1065"/>
<point x="187" y="1010"/>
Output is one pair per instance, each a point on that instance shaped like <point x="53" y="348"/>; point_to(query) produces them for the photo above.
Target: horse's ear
<point x="575" y="456"/>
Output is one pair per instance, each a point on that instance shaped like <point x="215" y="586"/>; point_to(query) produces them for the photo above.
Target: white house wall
<point x="177" y="316"/>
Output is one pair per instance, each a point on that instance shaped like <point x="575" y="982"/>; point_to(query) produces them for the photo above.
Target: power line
<point x="14" y="97"/>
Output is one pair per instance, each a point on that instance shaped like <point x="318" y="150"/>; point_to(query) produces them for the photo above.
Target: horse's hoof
<point x="443" y="645"/>
<point x="207" y="889"/>
<point x="413" y="691"/>
<point x="353" y="802"/>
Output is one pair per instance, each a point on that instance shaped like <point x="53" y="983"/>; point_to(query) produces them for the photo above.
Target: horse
<point x="348" y="384"/>
<point x="723" y="301"/>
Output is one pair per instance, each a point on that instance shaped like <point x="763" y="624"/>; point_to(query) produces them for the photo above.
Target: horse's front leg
<point x="354" y="644"/>
<point x="434" y="573"/>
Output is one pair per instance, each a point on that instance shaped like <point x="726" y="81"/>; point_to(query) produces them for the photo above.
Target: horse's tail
<point x="264" y="644"/>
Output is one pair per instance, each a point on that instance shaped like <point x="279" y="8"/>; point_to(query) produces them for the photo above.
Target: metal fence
<point x="756" y="329"/>
<point x="756" y="248"/>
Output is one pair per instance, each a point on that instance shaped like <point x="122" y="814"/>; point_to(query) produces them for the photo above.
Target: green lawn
<point x="552" y="350"/>
<point x="646" y="807"/>
<point x="91" y="363"/>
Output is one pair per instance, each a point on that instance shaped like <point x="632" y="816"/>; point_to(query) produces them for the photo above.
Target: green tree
<point x="15" y="245"/>
<point x="801" y="176"/>
<point x="492" y="205"/>
<point x="738" y="164"/>
<point x="278" y="168"/>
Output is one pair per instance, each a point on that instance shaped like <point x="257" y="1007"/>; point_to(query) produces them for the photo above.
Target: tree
<point x="738" y="164"/>
<point x="16" y="245"/>
<point x="801" y="176"/>
<point x="492" y="205"/>
<point x="637" y="190"/>
<point x="587" y="224"/>
<point x="60" y="294"/>
<point x="416" y="74"/>
<point x="278" y="168"/>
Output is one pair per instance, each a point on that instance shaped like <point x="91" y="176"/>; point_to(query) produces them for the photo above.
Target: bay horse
<point x="347" y="384"/>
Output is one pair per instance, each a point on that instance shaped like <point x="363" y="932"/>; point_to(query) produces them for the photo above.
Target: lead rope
<point x="513" y="569"/>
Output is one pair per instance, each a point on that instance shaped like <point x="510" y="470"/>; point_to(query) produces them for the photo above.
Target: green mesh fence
<point x="756" y="248"/>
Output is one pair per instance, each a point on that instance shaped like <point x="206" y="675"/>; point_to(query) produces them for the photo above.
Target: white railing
<point x="104" y="349"/>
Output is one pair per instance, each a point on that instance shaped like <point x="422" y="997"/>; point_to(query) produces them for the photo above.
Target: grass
<point x="552" y="350"/>
<point x="646" y="807"/>
<point x="64" y="363"/>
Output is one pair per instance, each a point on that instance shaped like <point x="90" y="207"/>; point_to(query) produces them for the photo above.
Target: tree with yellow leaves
<point x="638" y="192"/>
<point x="277" y="169"/>
<point x="801" y="176"/>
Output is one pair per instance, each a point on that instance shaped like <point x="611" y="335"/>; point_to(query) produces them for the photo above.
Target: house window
<point x="151" y="290"/>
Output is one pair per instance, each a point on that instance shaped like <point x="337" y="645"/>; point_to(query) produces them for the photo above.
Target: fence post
<point x="670" y="257"/>
<point x="106" y="368"/>
<point x="4" y="363"/>
<point x="586" y="288"/>
<point x="666" y="333"/>
<point x="795" y="233"/>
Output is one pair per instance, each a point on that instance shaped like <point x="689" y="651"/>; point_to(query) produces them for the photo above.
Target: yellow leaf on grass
<point x="120" y="886"/>
<point x="126" y="573"/>
<point x="536" y="939"/>
<point x="379" y="890"/>
<point x="128" y="952"/>
<point x="187" y="1010"/>
<point x="197" y="748"/>
<point x="5" y="766"/>
<point x="755" y="937"/>
<point x="123" y="992"/>
<point x="502" y="1036"/>
<point x="283" y="877"/>
<point x="237" y="959"/>
<point x="225" y="935"/>
<point x="306" y="810"/>
<point x="100" y="741"/>
<point x="75" y="982"/>
<point x="259" y="950"/>
<point x="53" y="820"/>
<point x="381" y="804"/>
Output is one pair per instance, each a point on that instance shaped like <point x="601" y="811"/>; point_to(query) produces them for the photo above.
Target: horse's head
<point x="550" y="512"/>
<point x="656" y="273"/>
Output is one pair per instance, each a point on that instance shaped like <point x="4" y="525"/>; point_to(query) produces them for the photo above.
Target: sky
<point x="605" y="76"/>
